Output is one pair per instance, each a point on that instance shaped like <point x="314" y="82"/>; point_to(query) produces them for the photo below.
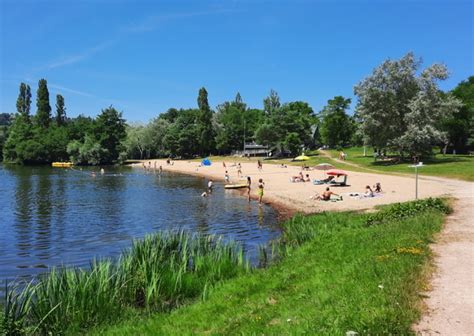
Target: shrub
<point x="402" y="210"/>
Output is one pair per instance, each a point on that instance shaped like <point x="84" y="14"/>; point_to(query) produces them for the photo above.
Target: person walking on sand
<point x="227" y="177"/>
<point x="239" y="170"/>
<point x="249" y="183"/>
<point x="261" y="186"/>
<point x="224" y="165"/>
<point x="259" y="165"/>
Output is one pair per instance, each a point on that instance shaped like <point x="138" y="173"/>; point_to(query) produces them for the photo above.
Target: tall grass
<point x="158" y="273"/>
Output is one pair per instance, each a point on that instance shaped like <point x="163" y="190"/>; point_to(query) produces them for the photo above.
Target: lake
<point x="55" y="216"/>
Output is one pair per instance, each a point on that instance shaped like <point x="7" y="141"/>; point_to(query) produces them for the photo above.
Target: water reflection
<point x="23" y="197"/>
<point x="54" y="217"/>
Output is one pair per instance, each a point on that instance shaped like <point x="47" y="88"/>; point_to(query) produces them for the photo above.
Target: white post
<point x="416" y="182"/>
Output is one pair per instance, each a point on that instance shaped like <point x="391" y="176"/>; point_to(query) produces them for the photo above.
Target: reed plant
<point x="157" y="273"/>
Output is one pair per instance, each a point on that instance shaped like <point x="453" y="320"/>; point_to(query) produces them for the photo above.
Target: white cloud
<point x="152" y="22"/>
<point x="79" y="56"/>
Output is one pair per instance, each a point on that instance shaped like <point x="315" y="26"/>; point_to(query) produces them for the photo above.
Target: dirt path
<point x="450" y="302"/>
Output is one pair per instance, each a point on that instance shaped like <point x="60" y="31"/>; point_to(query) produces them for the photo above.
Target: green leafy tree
<point x="234" y="122"/>
<point x="88" y="152"/>
<point x="155" y="132"/>
<point x="205" y="128"/>
<point x="170" y="115"/>
<point x="460" y="127"/>
<point x="292" y="142"/>
<point x="79" y="126"/>
<point x="109" y="131"/>
<point x="135" y="142"/>
<point x="21" y="129"/>
<point x="5" y="123"/>
<point x="43" y="113"/>
<point x="55" y="141"/>
<point x="401" y="110"/>
<point x="281" y="120"/>
<point x="271" y="103"/>
<point x="60" y="111"/>
<point x="336" y="126"/>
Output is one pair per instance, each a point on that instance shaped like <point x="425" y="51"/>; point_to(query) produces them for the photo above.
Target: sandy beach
<point x="296" y="197"/>
<point x="450" y="303"/>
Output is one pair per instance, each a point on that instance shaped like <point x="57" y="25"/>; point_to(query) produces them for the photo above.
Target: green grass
<point x="451" y="166"/>
<point x="336" y="272"/>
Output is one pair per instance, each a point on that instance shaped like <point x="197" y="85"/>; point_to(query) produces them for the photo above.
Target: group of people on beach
<point x="300" y="178"/>
<point x="369" y="192"/>
<point x="155" y="169"/>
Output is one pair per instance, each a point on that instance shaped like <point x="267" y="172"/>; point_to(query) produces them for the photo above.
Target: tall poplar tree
<point x="60" y="110"/>
<point x="206" y="131"/>
<point x="43" y="113"/>
<point x="23" y="103"/>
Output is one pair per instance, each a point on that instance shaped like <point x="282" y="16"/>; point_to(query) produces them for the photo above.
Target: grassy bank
<point x="158" y="273"/>
<point x="452" y="166"/>
<point x="337" y="272"/>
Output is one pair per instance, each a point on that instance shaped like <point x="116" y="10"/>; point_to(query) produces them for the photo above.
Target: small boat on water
<point x="61" y="164"/>
<point x="235" y="186"/>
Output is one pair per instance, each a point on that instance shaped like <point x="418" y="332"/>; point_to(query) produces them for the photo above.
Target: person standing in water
<point x="261" y="186"/>
<point x="227" y="177"/>
<point x="209" y="186"/>
<point x="249" y="183"/>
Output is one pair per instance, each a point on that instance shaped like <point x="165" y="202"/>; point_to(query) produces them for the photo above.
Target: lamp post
<point x="420" y="164"/>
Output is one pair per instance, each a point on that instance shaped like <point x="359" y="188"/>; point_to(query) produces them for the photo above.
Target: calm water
<point x="54" y="216"/>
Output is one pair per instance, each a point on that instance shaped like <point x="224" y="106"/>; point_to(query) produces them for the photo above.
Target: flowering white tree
<point x="400" y="109"/>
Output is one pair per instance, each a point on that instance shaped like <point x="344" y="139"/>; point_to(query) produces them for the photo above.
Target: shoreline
<point x="284" y="210"/>
<point x="292" y="198"/>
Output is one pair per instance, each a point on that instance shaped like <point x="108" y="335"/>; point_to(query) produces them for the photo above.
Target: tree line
<point x="399" y="108"/>
<point x="44" y="138"/>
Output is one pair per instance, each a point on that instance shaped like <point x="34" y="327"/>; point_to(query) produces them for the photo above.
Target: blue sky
<point x="146" y="56"/>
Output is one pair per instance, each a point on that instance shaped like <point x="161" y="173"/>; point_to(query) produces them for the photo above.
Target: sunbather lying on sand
<point x="326" y="196"/>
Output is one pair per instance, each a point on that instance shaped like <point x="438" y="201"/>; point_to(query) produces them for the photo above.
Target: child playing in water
<point x="239" y="170"/>
<point x="249" y="182"/>
<point x="261" y="186"/>
<point x="226" y="177"/>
